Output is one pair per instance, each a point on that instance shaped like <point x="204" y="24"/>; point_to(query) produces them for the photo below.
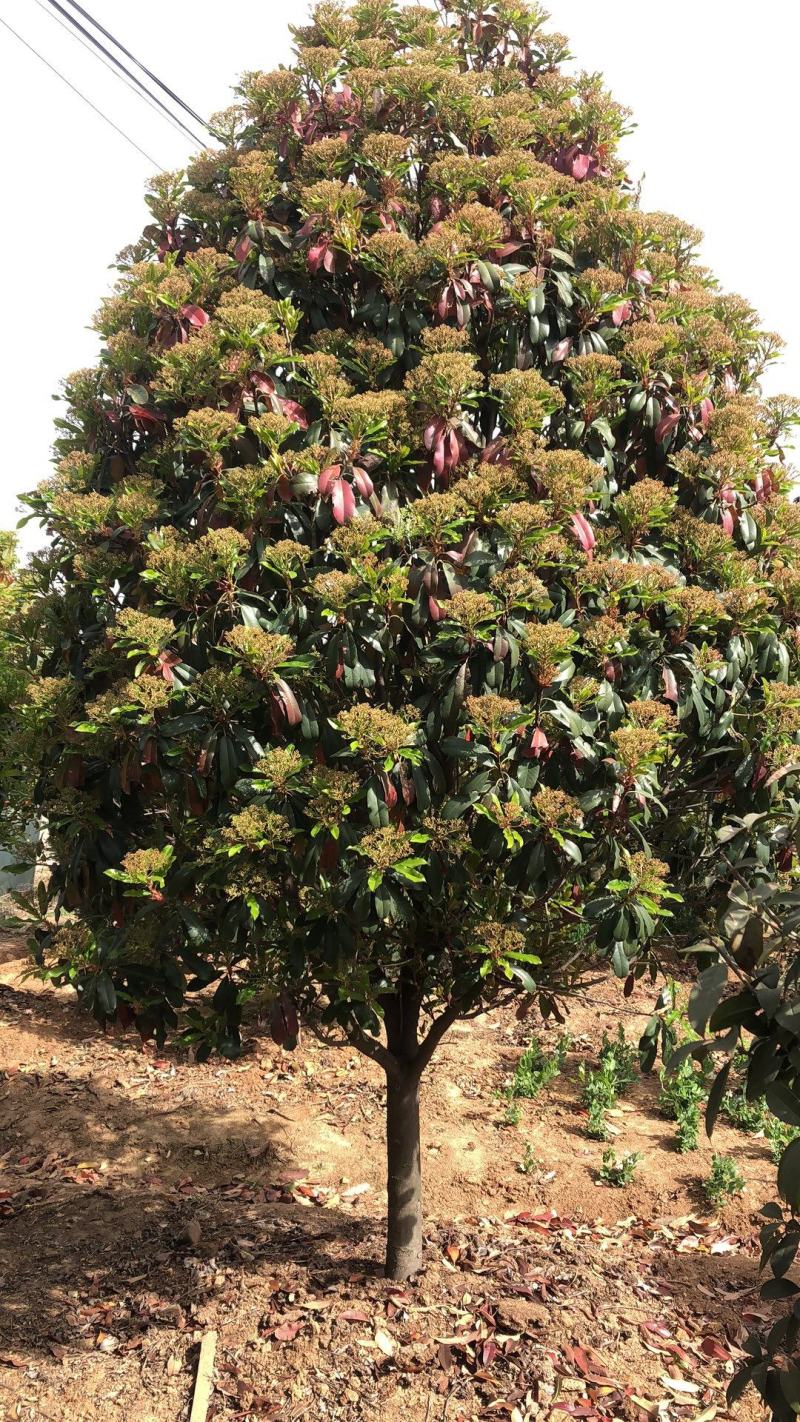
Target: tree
<point x="756" y="952"/>
<point x="14" y="784"/>
<point x="421" y="602"/>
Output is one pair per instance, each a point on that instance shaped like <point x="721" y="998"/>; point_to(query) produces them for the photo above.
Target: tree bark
<point x="404" y="1176"/>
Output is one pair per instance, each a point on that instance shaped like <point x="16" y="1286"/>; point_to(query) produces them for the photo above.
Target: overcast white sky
<point x="713" y="86"/>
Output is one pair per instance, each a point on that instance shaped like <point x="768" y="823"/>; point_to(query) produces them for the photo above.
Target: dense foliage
<point x="746" y="1007"/>
<point x="422" y="597"/>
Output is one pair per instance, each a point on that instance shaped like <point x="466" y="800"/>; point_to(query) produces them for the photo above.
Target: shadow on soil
<point x="137" y="1208"/>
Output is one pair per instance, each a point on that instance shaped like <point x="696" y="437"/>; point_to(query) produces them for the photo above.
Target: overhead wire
<point x="123" y="69"/>
<point x="81" y="95"/>
<point x="153" y="77"/>
<point x="90" y="49"/>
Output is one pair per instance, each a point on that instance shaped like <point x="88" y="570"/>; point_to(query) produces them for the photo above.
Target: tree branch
<point x="360" y="1041"/>
<point x="375" y="1050"/>
<point x="436" y="1031"/>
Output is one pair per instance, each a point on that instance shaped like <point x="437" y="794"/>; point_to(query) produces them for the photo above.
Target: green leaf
<point x="789" y="1174"/>
<point x="705" y="995"/>
<point x="783" y="1103"/>
<point x="523" y="976"/>
<point x="715" y="1097"/>
<point x="779" y="1289"/>
<point x="106" y="994"/>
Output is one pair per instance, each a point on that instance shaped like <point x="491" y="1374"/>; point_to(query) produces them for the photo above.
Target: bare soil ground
<point x="145" y="1200"/>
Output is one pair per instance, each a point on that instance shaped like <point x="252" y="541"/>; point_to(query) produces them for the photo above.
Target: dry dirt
<point x="145" y="1201"/>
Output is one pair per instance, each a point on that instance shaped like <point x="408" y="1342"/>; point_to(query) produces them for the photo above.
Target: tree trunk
<point x="404" y="1178"/>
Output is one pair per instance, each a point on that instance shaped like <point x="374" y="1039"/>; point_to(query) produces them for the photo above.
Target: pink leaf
<point x="583" y="532"/>
<point x="561" y="350"/>
<point x="581" y="166"/>
<point x="363" y="483"/>
<point x="295" y="412"/>
<point x="454" y="450"/>
<point x="670" y="685"/>
<point x="289" y="703"/>
<point x="389" y="791"/>
<point x="433" y="433"/>
<point x="507" y="250"/>
<point x="316" y="256"/>
<point x="262" y="383"/>
<point x="242" y="248"/>
<point x="667" y="424"/>
<point x="763" y="485"/>
<point x="344" y="501"/>
<point x="435" y="609"/>
<point x="328" y="478"/>
<point x="726" y="520"/>
<point x="622" y="313"/>
<point x="643" y="276"/>
<point x="439" y="455"/>
<point x="706" y="411"/>
<point x="539" y="742"/>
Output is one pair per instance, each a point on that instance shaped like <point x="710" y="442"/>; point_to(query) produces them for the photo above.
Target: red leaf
<point x="439" y="456"/>
<point x="344" y="501"/>
<point x="289" y="703"/>
<point x="295" y="412"/>
<point x="363" y="483"/>
<point x="763" y="485"/>
<point x="195" y="315"/>
<point x="389" y="792"/>
<point x="328" y="478"/>
<point x="434" y="432"/>
<point x="148" y="417"/>
<point x="667" y="424"/>
<point x="287" y="1332"/>
<point x="713" y="1349"/>
<point x="316" y="256"/>
<point x="262" y="383"/>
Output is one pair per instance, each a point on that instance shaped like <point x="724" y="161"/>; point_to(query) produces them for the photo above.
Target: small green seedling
<point x="724" y="1181"/>
<point x="682" y="1091"/>
<point x="618" y="1171"/>
<point x="537" y="1068"/>
<point x="599" y="1094"/>
<point x="529" y="1163"/>
<point x="622" y="1057"/>
<point x="779" y="1136"/>
<point x="512" y="1114"/>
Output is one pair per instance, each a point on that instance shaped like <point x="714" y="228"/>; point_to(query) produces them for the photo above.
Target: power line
<point x="153" y="77"/>
<point x="137" y="90"/>
<point x="80" y="95"/>
<point x="98" y="45"/>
